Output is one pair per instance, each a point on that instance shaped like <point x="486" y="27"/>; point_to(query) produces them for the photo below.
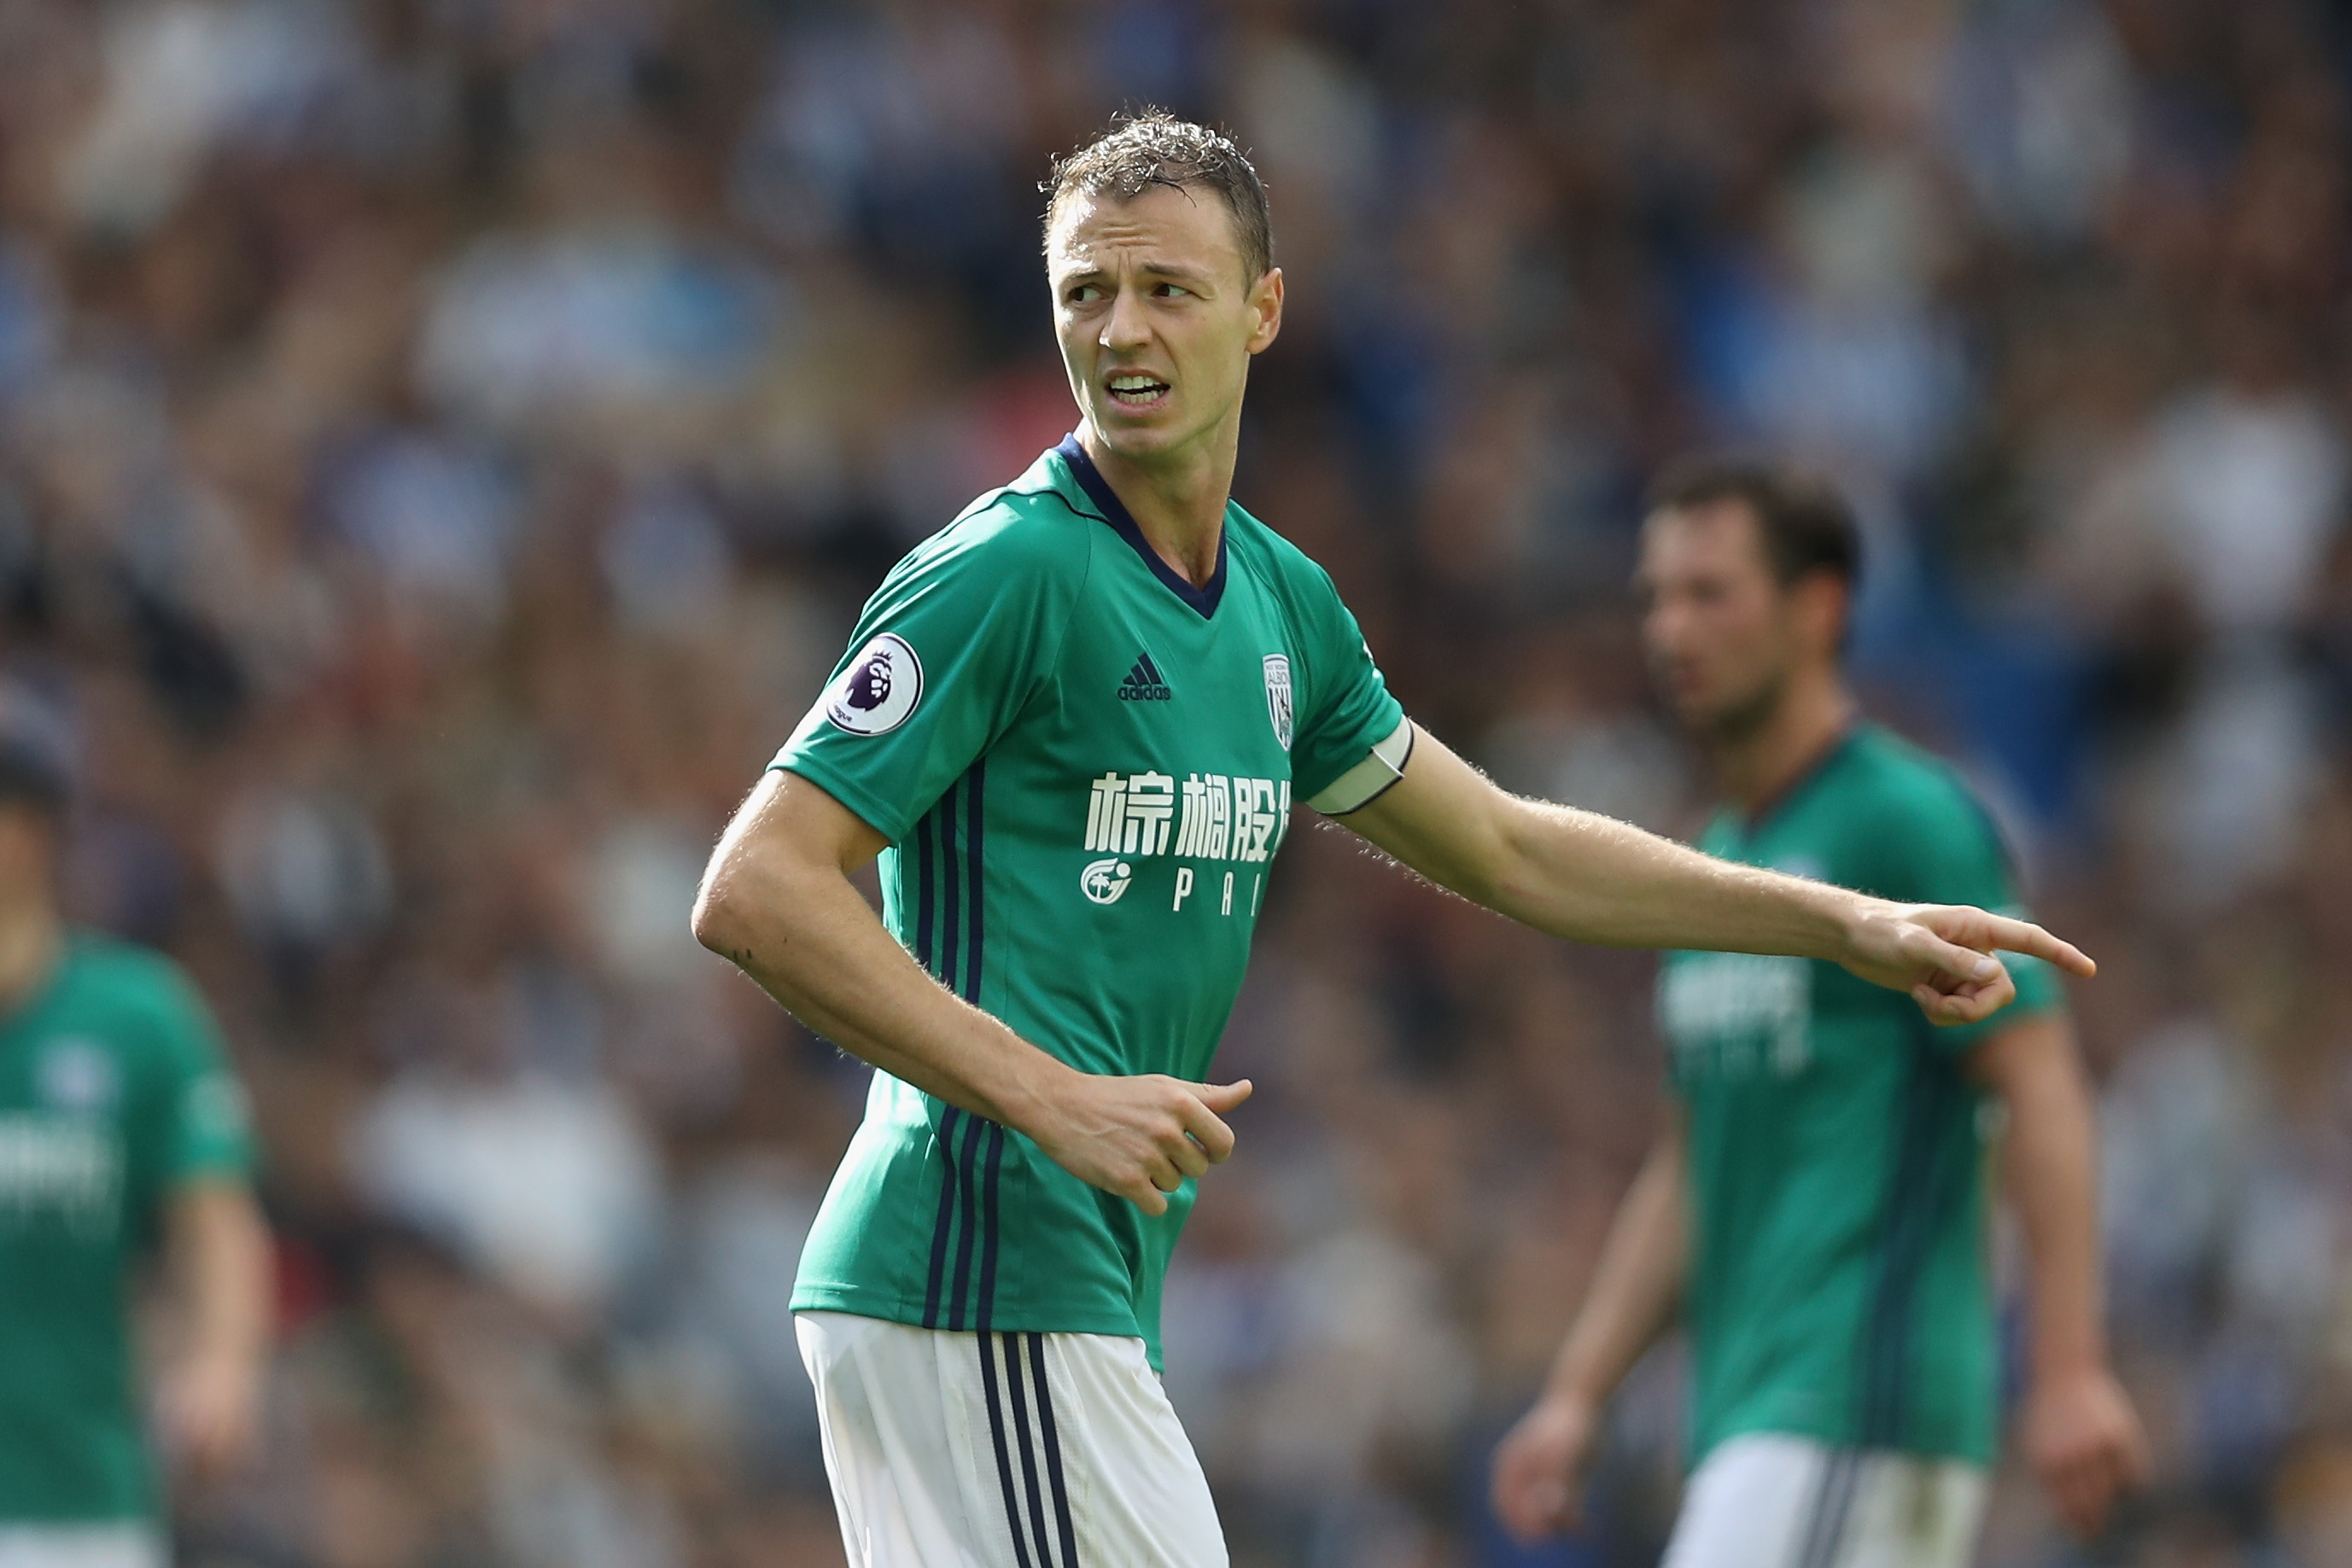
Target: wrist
<point x="1574" y="1389"/>
<point x="1032" y="1096"/>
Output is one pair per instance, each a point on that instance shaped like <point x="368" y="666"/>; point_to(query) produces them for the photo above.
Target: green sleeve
<point x="1345" y="708"/>
<point x="1947" y="851"/>
<point x="206" y="1130"/>
<point x="960" y="637"/>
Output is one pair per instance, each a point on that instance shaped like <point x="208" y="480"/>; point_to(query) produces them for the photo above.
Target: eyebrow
<point x="1157" y="268"/>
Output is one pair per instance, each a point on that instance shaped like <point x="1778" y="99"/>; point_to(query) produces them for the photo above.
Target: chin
<point x="1131" y="437"/>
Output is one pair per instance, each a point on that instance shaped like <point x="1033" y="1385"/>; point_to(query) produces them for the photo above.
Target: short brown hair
<point x="1806" y="524"/>
<point x="1136" y="152"/>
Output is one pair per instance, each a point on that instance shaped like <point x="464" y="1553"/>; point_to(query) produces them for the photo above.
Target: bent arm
<point x="776" y="900"/>
<point x="1588" y="878"/>
<point x="1637" y="1285"/>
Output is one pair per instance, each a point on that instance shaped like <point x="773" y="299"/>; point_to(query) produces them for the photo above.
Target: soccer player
<point x="118" y="1128"/>
<point x="1814" y="1209"/>
<point x="1074" y="724"/>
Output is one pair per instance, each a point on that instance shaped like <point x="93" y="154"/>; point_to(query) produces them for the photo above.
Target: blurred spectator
<point x="443" y="446"/>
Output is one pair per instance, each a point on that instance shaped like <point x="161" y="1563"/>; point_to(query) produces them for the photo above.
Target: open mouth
<point x="1137" y="391"/>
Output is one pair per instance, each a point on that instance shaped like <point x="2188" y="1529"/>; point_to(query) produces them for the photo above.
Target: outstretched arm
<point x="777" y="900"/>
<point x="1588" y="878"/>
<point x="1632" y="1299"/>
<point x="2080" y="1434"/>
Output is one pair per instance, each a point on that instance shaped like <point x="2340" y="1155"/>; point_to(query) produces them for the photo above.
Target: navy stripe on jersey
<point x="970" y="1200"/>
<point x="946" y="1142"/>
<point x="995" y="1166"/>
<point x="951" y="903"/>
<point x="1921" y="1191"/>
<point x="1003" y="1465"/>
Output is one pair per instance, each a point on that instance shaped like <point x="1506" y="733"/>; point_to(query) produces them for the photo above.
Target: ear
<point x="1266" y="300"/>
<point x="1823" y="604"/>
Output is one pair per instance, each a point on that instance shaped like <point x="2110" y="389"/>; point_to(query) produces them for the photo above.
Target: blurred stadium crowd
<point x="444" y="443"/>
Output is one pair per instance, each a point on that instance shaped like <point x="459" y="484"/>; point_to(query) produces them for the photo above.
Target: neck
<point x="1756" y="764"/>
<point x="31" y="935"/>
<point x="1178" y="497"/>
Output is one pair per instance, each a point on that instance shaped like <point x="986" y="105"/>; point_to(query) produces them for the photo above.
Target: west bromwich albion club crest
<point x="1277" y="696"/>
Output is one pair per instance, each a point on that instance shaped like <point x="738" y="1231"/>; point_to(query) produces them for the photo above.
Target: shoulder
<point x="126" y="971"/>
<point x="1295" y="581"/>
<point x="1891" y="777"/>
<point x="1909" y="806"/>
<point x="1027" y="531"/>
<point x="137" y="994"/>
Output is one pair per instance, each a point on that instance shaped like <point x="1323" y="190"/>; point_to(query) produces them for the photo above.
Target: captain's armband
<point x="1368" y="781"/>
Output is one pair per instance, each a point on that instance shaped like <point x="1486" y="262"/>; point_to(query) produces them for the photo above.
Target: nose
<point x="1127" y="325"/>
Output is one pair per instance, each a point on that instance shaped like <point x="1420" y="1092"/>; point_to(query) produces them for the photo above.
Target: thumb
<point x="1222" y="1097"/>
<point x="1963" y="965"/>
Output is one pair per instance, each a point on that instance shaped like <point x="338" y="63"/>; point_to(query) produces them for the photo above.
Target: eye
<point x="1084" y="293"/>
<point x="1171" y="290"/>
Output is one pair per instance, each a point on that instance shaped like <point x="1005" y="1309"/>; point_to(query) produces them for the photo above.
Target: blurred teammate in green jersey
<point x="120" y="1130"/>
<point x="1815" y="1209"/>
<point x="1073" y="724"/>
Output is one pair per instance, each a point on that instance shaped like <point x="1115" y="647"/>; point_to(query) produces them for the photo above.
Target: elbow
<point x="717" y="919"/>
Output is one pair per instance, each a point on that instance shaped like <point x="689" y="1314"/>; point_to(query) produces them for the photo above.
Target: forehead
<point x="1186" y="226"/>
<point x="1719" y="536"/>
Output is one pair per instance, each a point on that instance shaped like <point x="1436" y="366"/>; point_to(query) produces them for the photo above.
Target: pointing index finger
<point x="2024" y="936"/>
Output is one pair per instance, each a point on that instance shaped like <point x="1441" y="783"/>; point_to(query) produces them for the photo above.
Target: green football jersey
<point x="1083" y="765"/>
<point x="1837" y="1287"/>
<point x="112" y="1093"/>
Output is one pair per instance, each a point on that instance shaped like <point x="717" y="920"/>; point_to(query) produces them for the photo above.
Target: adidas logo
<point x="1144" y="683"/>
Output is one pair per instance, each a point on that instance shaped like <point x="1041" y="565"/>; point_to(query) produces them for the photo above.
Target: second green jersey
<point x="1838" y="1286"/>
<point x="1083" y="765"/>
<point x="111" y="1094"/>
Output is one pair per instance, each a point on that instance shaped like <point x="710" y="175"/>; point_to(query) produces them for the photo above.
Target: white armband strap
<point x="1368" y="781"/>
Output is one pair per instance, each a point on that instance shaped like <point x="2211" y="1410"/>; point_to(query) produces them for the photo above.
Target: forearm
<point x="2052" y="1161"/>
<point x="1588" y="878"/>
<point x="223" y="1250"/>
<point x="803" y="933"/>
<point x="1635" y="1287"/>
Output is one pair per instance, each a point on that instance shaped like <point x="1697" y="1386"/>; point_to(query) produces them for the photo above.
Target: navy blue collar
<point x="1114" y="512"/>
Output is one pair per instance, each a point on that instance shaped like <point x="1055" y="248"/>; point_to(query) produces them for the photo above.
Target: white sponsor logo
<point x="878" y="691"/>
<point x="1735" y="1014"/>
<point x="60" y="1166"/>
<point x="1210" y="816"/>
<point x="1277" y="696"/>
<point x="1105" y="880"/>
<point x="78" y="1075"/>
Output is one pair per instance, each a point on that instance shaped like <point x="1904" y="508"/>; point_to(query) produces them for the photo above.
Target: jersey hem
<point x="865" y="1303"/>
<point x="1835" y="1438"/>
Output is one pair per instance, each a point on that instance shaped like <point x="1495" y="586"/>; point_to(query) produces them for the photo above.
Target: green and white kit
<point x="113" y="1094"/>
<point x="1085" y="766"/>
<point x="1838" y="1288"/>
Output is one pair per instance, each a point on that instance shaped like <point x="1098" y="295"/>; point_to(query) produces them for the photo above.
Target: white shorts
<point x="1769" y="1501"/>
<point x="1003" y="1451"/>
<point x="80" y="1546"/>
